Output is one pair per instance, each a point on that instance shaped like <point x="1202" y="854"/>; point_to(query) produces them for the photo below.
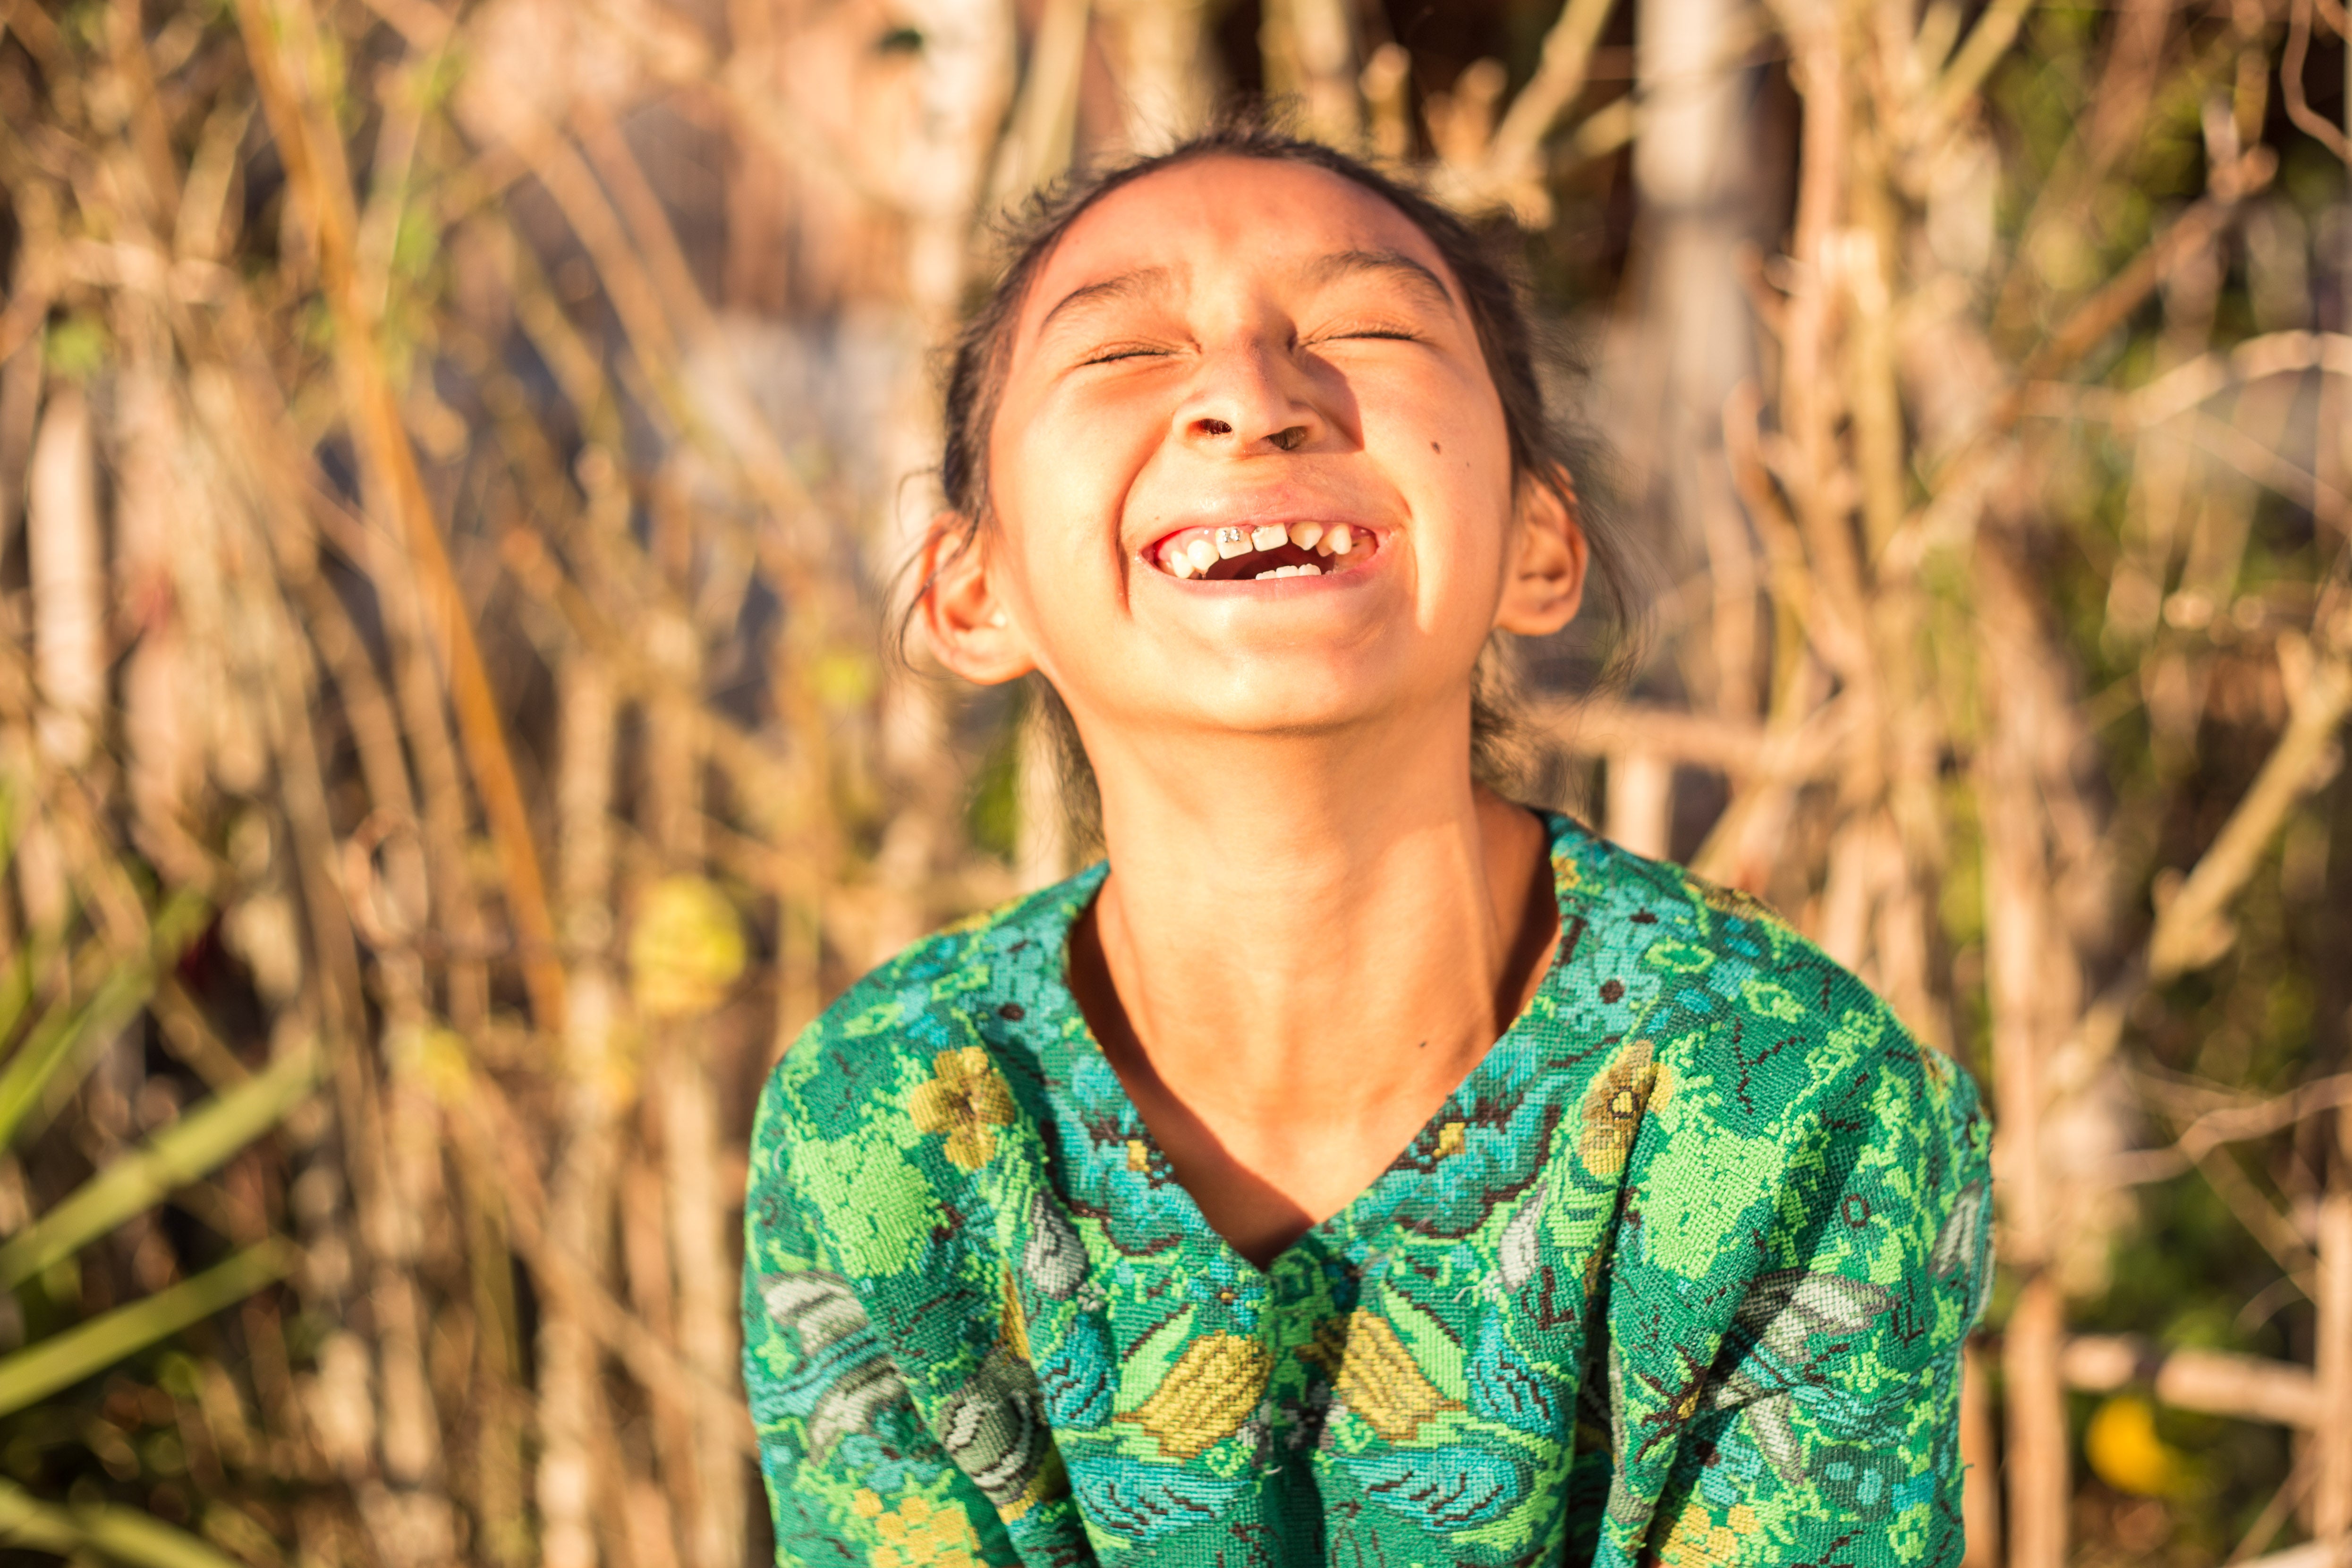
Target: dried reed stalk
<point x="443" y="521"/>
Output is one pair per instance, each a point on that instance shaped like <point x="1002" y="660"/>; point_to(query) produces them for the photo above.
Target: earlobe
<point x="1546" y="584"/>
<point x="963" y="611"/>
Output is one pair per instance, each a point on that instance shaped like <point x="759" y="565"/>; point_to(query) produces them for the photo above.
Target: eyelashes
<point x="1115" y="353"/>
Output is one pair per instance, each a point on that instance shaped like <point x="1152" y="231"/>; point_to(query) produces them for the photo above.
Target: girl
<point x="1080" y="1233"/>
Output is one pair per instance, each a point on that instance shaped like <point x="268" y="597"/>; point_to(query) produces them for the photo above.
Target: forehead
<point x="1222" y="214"/>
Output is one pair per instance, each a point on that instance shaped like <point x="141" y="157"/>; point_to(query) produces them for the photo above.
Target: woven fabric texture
<point x="1679" y="1274"/>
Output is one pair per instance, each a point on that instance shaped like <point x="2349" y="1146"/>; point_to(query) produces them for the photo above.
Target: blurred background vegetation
<point x="453" y="461"/>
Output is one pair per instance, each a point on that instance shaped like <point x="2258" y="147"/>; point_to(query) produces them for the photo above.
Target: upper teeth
<point x="1195" y="556"/>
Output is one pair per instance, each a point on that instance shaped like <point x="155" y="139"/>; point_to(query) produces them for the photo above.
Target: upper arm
<point x="854" y="1475"/>
<point x="1798" y="1332"/>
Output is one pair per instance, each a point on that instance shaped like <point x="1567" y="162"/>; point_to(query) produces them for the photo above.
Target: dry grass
<point x="449" y="481"/>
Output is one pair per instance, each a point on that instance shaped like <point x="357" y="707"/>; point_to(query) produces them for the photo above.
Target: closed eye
<point x="1114" y="353"/>
<point x="1375" y="330"/>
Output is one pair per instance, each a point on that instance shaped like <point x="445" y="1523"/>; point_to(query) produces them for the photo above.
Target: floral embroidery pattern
<point x="967" y="1101"/>
<point x="917" y="1535"/>
<point x="1678" y="1275"/>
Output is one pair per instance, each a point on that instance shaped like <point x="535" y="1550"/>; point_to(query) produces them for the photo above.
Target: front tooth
<point x="1268" y="537"/>
<point x="1310" y="570"/>
<point x="1343" y="540"/>
<point x="1304" y="535"/>
<point x="1201" y="554"/>
<point x="1232" y="542"/>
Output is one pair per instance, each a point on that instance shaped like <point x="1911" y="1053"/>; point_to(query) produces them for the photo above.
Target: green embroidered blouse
<point x="1679" y="1274"/>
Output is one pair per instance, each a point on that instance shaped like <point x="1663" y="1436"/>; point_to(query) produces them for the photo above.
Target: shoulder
<point x="1787" y="1122"/>
<point x="1755" y="1036"/>
<point x="889" y="1104"/>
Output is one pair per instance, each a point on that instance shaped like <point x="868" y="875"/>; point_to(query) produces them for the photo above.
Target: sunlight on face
<point x="1230" y="370"/>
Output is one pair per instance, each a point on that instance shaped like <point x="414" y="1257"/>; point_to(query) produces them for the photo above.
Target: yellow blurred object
<point x="437" y="1060"/>
<point x="685" y="950"/>
<point x="2126" y="1453"/>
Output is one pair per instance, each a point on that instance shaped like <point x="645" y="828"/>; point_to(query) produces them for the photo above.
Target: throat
<point x="1280" y="1086"/>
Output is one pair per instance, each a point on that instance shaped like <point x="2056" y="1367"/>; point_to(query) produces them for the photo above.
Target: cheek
<point x="1065" y="476"/>
<point x="1449" y="451"/>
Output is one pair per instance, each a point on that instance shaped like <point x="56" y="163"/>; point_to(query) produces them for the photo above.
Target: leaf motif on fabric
<point x="1518" y="1251"/>
<point x="1206" y="1395"/>
<point x="1504" y="1387"/>
<point x="845" y="1378"/>
<point x="1769" y="1351"/>
<point x="993" y="1427"/>
<point x="1960" y="1237"/>
<point x="1446" y="1488"/>
<point x="1143" y="1503"/>
<point x="1784" y="1310"/>
<point x="1080" y="1378"/>
<point x="1054" y="1258"/>
<point x="1375" y="1376"/>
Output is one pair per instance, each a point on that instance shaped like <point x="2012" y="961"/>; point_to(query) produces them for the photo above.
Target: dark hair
<point x="1545" y="449"/>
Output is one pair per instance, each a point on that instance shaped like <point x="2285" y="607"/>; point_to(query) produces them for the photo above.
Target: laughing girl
<point x="1355" y="1167"/>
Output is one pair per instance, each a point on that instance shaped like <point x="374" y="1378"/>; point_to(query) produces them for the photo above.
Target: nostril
<point x="1290" y="440"/>
<point x="1212" y="427"/>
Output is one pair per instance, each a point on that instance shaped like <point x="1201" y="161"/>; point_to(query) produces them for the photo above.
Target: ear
<point x="1546" y="584"/>
<point x="971" y="626"/>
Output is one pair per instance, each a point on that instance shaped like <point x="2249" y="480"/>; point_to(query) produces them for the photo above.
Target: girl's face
<point x="1249" y="471"/>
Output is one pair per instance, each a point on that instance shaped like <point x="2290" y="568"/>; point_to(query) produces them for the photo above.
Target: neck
<point x="1344" y="919"/>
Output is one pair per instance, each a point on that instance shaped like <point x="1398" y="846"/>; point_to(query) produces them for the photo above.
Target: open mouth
<point x="1245" y="554"/>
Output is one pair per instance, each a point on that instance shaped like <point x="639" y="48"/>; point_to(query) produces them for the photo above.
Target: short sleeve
<point x="1803" y="1251"/>
<point x="852" y="1474"/>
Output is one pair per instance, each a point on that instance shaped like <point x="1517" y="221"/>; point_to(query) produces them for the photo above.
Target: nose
<point x="1252" y="397"/>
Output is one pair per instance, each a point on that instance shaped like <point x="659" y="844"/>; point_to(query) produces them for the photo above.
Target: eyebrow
<point x="1342" y="264"/>
<point x="1143" y="281"/>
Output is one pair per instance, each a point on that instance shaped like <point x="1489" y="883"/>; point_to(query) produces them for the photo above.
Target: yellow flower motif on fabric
<point x="966" y="1100"/>
<point x="919" y="1535"/>
<point x="1374" y="1375"/>
<point x="1206" y="1395"/>
<point x="1697" y="1541"/>
<point x="1614" y="1106"/>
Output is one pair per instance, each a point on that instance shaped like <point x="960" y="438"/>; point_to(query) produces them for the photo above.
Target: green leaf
<point x="62" y="1360"/>
<point x="196" y="1144"/>
<point x="50" y="1045"/>
<point x="124" y="1534"/>
<point x="52" y="1041"/>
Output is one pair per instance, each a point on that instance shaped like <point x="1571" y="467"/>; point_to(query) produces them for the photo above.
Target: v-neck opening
<point x="1347" y="1220"/>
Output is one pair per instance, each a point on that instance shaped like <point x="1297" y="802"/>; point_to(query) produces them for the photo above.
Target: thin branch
<point x="2216" y="1382"/>
<point x="2191" y="929"/>
<point x="2310" y="121"/>
<point x="2231" y="1124"/>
